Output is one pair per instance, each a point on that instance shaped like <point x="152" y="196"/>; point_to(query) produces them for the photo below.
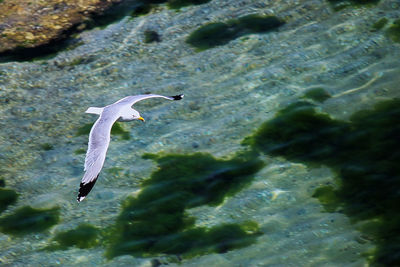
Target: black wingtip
<point x="84" y="189"/>
<point x="177" y="97"/>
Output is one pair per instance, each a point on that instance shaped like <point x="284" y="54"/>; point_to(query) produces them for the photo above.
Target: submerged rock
<point x="30" y="24"/>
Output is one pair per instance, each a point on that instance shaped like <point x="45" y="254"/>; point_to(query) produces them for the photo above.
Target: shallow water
<point x="230" y="91"/>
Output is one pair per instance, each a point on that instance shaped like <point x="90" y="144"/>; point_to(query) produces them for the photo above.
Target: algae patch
<point x="7" y="197"/>
<point x="83" y="236"/>
<point x="340" y="4"/>
<point x="394" y="31"/>
<point x="46" y="146"/>
<point x="143" y="7"/>
<point x="27" y="220"/>
<point x="221" y="33"/>
<point x="300" y="134"/>
<point x="155" y="222"/>
<point x="317" y="94"/>
<point x="177" y="4"/>
<point x="363" y="152"/>
<point x="80" y="151"/>
<point x="328" y="198"/>
<point x="151" y="36"/>
<point x="84" y="130"/>
<point x="379" y="24"/>
<point x="117" y="129"/>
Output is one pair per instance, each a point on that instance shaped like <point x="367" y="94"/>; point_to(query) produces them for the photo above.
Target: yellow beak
<point x="140" y="118"/>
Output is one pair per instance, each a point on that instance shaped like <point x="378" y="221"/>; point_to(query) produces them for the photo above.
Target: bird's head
<point x="137" y="116"/>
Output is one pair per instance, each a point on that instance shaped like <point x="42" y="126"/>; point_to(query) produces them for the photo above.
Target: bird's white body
<point x="99" y="136"/>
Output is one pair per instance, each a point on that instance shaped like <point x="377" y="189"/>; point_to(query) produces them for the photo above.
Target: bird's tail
<point x="94" y="110"/>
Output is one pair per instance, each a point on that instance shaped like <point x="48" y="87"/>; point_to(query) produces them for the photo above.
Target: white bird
<point x="99" y="136"/>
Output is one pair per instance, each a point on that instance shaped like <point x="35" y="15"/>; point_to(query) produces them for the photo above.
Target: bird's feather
<point x="131" y="100"/>
<point x="99" y="138"/>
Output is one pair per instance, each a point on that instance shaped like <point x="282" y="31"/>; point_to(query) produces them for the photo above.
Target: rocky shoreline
<point x="31" y="24"/>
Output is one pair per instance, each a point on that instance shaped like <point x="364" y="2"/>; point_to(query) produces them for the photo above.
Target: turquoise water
<point x="244" y="171"/>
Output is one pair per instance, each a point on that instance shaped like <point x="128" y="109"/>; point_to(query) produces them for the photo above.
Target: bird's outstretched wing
<point x="99" y="139"/>
<point x="131" y="100"/>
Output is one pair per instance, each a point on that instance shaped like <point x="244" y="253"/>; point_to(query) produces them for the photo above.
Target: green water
<point x="283" y="152"/>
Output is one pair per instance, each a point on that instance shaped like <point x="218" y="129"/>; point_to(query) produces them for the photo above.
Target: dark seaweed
<point x="83" y="236"/>
<point x="7" y="197"/>
<point x="115" y="130"/>
<point x="379" y="24"/>
<point x="340" y="4"/>
<point x="177" y="4"/>
<point x="155" y="222"/>
<point x="394" y="31"/>
<point x="219" y="33"/>
<point x="317" y="94"/>
<point x="27" y="220"/>
<point x="363" y="152"/>
<point x="46" y="146"/>
<point x="151" y="36"/>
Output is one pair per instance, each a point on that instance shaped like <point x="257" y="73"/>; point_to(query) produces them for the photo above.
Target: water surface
<point x="230" y="91"/>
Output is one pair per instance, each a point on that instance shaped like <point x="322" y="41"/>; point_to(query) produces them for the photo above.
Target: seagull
<point x="99" y="136"/>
